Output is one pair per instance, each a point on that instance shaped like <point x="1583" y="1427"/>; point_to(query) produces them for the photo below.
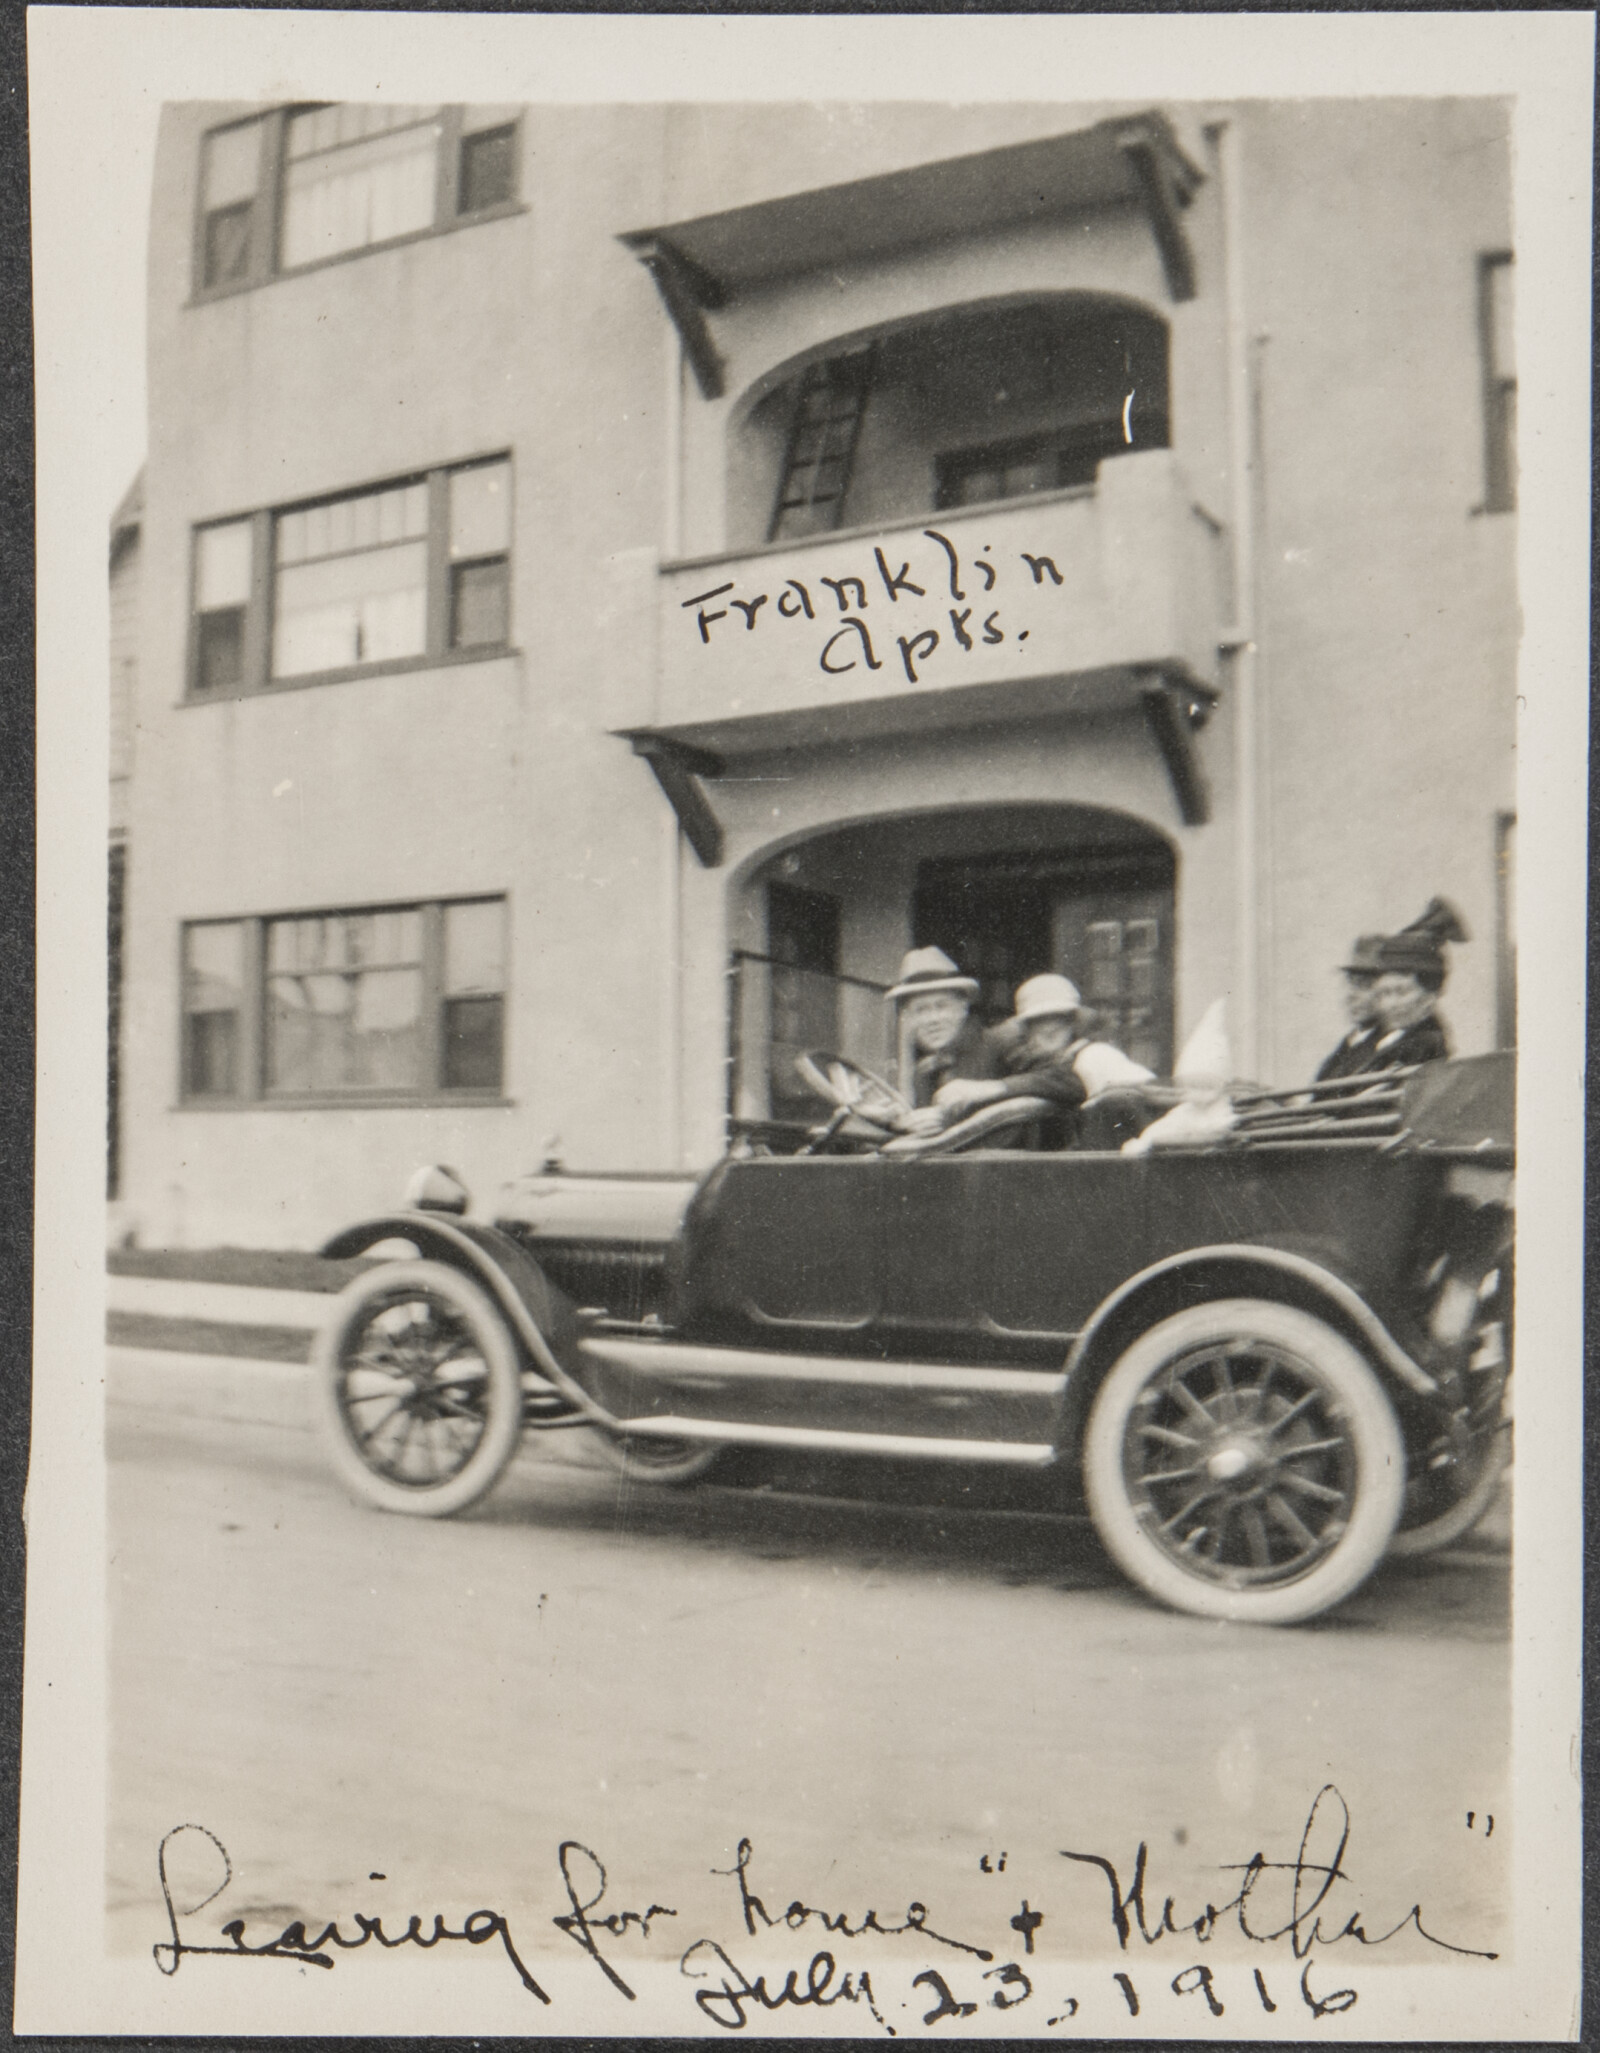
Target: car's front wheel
<point x="1243" y="1462"/>
<point x="418" y="1389"/>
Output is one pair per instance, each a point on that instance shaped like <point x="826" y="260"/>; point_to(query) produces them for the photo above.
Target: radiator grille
<point x="628" y="1282"/>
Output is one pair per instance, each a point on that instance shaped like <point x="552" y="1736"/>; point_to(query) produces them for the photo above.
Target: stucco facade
<point x="1275" y="645"/>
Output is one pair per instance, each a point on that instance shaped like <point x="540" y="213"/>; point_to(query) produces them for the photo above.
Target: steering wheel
<point x="852" y="1090"/>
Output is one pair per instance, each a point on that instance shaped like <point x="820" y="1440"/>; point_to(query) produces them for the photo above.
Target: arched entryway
<point x="1007" y="891"/>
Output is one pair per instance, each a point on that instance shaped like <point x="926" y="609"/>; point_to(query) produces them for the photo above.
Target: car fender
<point x="539" y="1316"/>
<point x="1228" y="1270"/>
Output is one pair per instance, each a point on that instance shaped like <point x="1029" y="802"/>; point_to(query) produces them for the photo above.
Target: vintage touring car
<point x="1264" y="1362"/>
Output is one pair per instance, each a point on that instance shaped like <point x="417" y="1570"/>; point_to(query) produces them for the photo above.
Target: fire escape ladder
<point x="823" y="438"/>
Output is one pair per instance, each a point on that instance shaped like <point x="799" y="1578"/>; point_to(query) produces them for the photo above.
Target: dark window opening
<point x="227" y="244"/>
<point x="211" y="1041"/>
<point x="473" y="1033"/>
<point x="480" y="604"/>
<point x="488" y="168"/>
<point x="803" y="943"/>
<point x="219" y="657"/>
<point x="1048" y="463"/>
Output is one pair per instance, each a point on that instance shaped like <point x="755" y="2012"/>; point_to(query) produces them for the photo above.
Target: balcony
<point x="1092" y="600"/>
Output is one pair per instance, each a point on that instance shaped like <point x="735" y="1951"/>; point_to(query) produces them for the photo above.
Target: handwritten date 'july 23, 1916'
<point x="1286" y="1906"/>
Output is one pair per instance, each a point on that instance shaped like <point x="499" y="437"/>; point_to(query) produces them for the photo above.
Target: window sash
<point x="359" y="194"/>
<point x="345" y="611"/>
<point x="383" y="1003"/>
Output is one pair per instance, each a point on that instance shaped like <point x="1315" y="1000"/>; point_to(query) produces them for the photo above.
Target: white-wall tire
<point x="1202" y="1511"/>
<point x="417" y="1388"/>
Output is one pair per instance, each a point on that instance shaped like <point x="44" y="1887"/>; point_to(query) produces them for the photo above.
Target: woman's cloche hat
<point x="930" y="969"/>
<point x="1047" y="997"/>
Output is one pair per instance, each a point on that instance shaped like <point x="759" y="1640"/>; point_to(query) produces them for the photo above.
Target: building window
<point x="480" y="540"/>
<point x="230" y="185"/>
<point x="1497" y="339"/>
<point x="213" y="1001"/>
<point x="488" y="168"/>
<point x="301" y="185"/>
<point x="221" y="604"/>
<point x="402" y="574"/>
<point x="354" y="176"/>
<point x="382" y="1004"/>
<point x="350" y="581"/>
<point x="1047" y="463"/>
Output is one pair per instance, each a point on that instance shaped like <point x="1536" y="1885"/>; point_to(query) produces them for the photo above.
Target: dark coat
<point x="1427" y="1041"/>
<point x="1055" y="1078"/>
<point x="974" y="1054"/>
<point x="1350" y="1058"/>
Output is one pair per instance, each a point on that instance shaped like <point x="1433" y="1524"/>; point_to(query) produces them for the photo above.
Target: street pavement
<point x="885" y="1700"/>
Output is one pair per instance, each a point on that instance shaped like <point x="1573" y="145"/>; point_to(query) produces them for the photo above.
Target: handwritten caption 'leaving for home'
<point x="1286" y="1905"/>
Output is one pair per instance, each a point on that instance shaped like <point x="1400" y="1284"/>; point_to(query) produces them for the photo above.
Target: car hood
<point x="625" y="1209"/>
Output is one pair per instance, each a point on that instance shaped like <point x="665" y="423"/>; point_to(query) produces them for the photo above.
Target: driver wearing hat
<point x="1361" y="974"/>
<point x="935" y="1002"/>
<point x="1055" y="1058"/>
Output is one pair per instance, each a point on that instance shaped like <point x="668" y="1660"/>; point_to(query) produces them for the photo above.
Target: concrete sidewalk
<point x="236" y="1389"/>
<point x="232" y="1303"/>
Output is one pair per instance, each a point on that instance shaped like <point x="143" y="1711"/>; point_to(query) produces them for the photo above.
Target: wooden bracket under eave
<point x="1174" y="710"/>
<point x="686" y="292"/>
<point x="678" y="769"/>
<point x="1163" y="204"/>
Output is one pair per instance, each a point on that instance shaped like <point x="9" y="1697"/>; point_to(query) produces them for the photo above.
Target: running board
<point x="888" y="1446"/>
<point x="673" y="1359"/>
<point x="937" y="1411"/>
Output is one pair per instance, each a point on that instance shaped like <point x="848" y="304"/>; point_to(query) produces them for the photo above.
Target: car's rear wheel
<point x="648" y="1458"/>
<point x="1444" y="1503"/>
<point x="1243" y="1462"/>
<point x="418" y="1389"/>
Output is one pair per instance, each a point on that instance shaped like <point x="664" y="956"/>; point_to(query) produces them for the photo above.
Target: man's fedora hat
<point x="930" y="969"/>
<point x="1363" y="960"/>
<point x="1047" y="997"/>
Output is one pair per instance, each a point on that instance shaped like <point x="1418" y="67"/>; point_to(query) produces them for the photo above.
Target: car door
<point x="779" y="1247"/>
<point x="1003" y="1254"/>
<point x="1062" y="1232"/>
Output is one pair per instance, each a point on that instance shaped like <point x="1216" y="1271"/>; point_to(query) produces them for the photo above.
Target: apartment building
<point x="612" y="579"/>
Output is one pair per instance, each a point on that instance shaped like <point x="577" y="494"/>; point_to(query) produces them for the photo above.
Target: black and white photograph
<point x="826" y="1045"/>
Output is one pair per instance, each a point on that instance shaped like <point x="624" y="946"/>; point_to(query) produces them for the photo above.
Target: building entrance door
<point x="1103" y="917"/>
